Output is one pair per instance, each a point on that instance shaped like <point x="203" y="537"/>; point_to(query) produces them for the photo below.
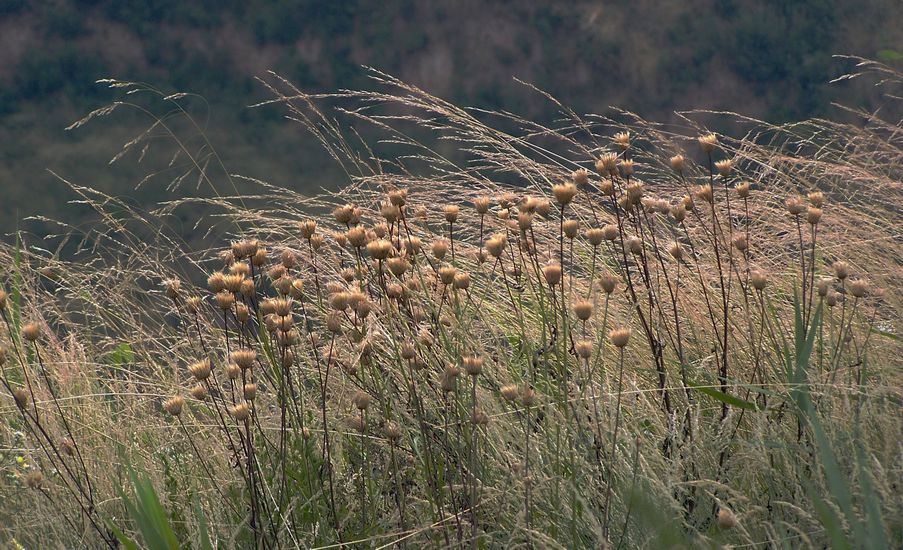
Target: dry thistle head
<point x="67" y="446"/>
<point x="287" y="259"/>
<point x="225" y="299"/>
<point x="841" y="269"/>
<point x="451" y="212"/>
<point x="509" y="392"/>
<point x="174" y="405"/>
<point x="619" y="336"/>
<point x="479" y="418"/>
<point x="635" y="245"/>
<point x="473" y="365"/>
<point x="398" y="197"/>
<point x="610" y="232"/>
<point x="795" y="206"/>
<point x="723" y="167"/>
<point x="726" y="518"/>
<point x="34" y="479"/>
<point x="524" y="221"/>
<point x="392" y="432"/>
<point x="822" y="286"/>
<point x="244" y="358"/>
<point x="707" y="143"/>
<point x="344" y="214"/>
<point x="813" y="215"/>
<point x="334" y="322"/>
<point x="447" y="274"/>
<point x="439" y="248"/>
<point x="379" y="249"/>
<point x="21" y="398"/>
<point x="199" y="392"/>
<point x="449" y="379"/>
<point x="584" y="349"/>
<point x="758" y="279"/>
<point x="496" y="244"/>
<point x="594" y="236"/>
<point x="171" y="288"/>
<point x="528" y="397"/>
<point x="240" y="412"/>
<point x="543" y="207"/>
<point x="705" y="194"/>
<point x="193" y="303"/>
<point x="571" y="228"/>
<point x="607" y="165"/>
<point x="462" y="281"/>
<point x="481" y="205"/>
<point x="583" y="309"/>
<point x="390" y="212"/>
<point x="627" y="167"/>
<point x="200" y="370"/>
<point x="216" y="281"/>
<point x="743" y="190"/>
<point x="580" y="176"/>
<point x="31" y="332"/>
<point x="740" y="243"/>
<point x="564" y="193"/>
<point x="398" y="265"/>
<point x="676" y="251"/>
<point x="608" y="282"/>
<point x="832" y="298"/>
<point x="622" y="139"/>
<point x="233" y="371"/>
<point x="260" y="257"/>
<point x="552" y="274"/>
<point x="859" y="288"/>
<point x="816" y="198"/>
<point x="677" y="163"/>
<point x="361" y="400"/>
<point x="357" y="236"/>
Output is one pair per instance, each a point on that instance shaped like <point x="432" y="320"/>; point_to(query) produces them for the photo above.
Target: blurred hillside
<point x="768" y="59"/>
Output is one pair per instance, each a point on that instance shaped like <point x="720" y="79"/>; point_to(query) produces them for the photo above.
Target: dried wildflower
<point x="832" y="298"/>
<point x="67" y="446"/>
<point x="462" y="281"/>
<point x="584" y="349"/>
<point x="841" y="270"/>
<point x="610" y="232"/>
<point x="608" y="282"/>
<point x="726" y="518"/>
<point x="622" y="139"/>
<point x="564" y="193"/>
<point x="528" y="397"/>
<point x="758" y="279"/>
<point x="361" y="400"/>
<point x="619" y="336"/>
<point x="627" y="167"/>
<point x="552" y="274"/>
<point x="676" y="251"/>
<point x="707" y="142"/>
<point x="580" y="176"/>
<point x="743" y="190"/>
<point x="859" y="288"/>
<point x="225" y="300"/>
<point x="571" y="227"/>
<point x="240" y="412"/>
<point x="21" y="398"/>
<point x="740" y="243"/>
<point x="451" y="212"/>
<point x="473" y="365"/>
<point x="398" y="266"/>
<point x="357" y="236"/>
<point x="449" y="380"/>
<point x="524" y="221"/>
<point x="31" y="332"/>
<point x="392" y="432"/>
<point x="398" y="197"/>
<point x="723" y="167"/>
<point x="199" y="392"/>
<point x="509" y="392"/>
<point x="677" y="163"/>
<point x="583" y="309"/>
<point x="34" y="479"/>
<point x="447" y="274"/>
<point x="705" y="194"/>
<point x="813" y="215"/>
<point x="635" y="245"/>
<point x="233" y="371"/>
<point x="200" y="370"/>
<point x="479" y="418"/>
<point x="334" y="322"/>
<point x="287" y="259"/>
<point x="171" y="288"/>
<point x="244" y="358"/>
<point x="816" y="198"/>
<point x="439" y="248"/>
<point x="390" y="213"/>
<point x="795" y="206"/>
<point x="594" y="236"/>
<point x="496" y="244"/>
<point x="174" y="405"/>
<point x="543" y="207"/>
<point x="823" y="286"/>
<point x="260" y="257"/>
<point x="607" y="165"/>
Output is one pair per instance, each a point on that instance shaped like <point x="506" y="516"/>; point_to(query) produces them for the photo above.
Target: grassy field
<point x="605" y="333"/>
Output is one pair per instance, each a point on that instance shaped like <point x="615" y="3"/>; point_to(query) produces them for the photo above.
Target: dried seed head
<point x="240" y="412"/>
<point x="462" y="281"/>
<point x="199" y="392"/>
<point x="216" y="282"/>
<point x="552" y="274"/>
<point x="413" y="245"/>
<point x="479" y="418"/>
<point x="67" y="446"/>
<point x="813" y="215"/>
<point x="287" y="259"/>
<point x="171" y="288"/>
<point x="174" y="405"/>
<point x="260" y="257"/>
<point x="398" y="197"/>
<point x="31" y="332"/>
<point x="225" y="299"/>
<point x="390" y="212"/>
<point x="200" y="370"/>
<point x="21" y="397"/>
<point x="795" y="206"/>
<point x="823" y="286"/>
<point x="451" y="212"/>
<point x="580" y="176"/>
<point x="361" y="400"/>
<point x="619" y="337"/>
<point x="859" y="288"/>
<point x="705" y="194"/>
<point x="758" y="279"/>
<point x="317" y="242"/>
<point x="622" y="139"/>
<point x="449" y="379"/>
<point x="841" y="270"/>
<point x="564" y="193"/>
<point x="608" y="282"/>
<point x="439" y="248"/>
<point x="740" y="243"/>
<point x="726" y="518"/>
<point x="524" y="221"/>
<point x="584" y="349"/>
<point x="233" y="371"/>
<point x="473" y="365"/>
<point x="543" y="207"/>
<point x="743" y="190"/>
<point x="398" y="265"/>
<point x="723" y="167"/>
<point x="528" y="397"/>
<point x="816" y="198"/>
<point x="392" y="432"/>
<point x="594" y="236"/>
<point x="635" y="245"/>
<point x="244" y="358"/>
<point x="379" y="249"/>
<point x="496" y="244"/>
<point x="571" y="228"/>
<point x="447" y="274"/>
<point x="676" y="251"/>
<point x="677" y="163"/>
<point x="481" y="205"/>
<point x="607" y="165"/>
<point x="344" y="214"/>
<point x="707" y="142"/>
<point x="34" y="479"/>
<point x="357" y="236"/>
<point x="334" y="322"/>
<point x="832" y="298"/>
<point x="583" y="309"/>
<point x="627" y="167"/>
<point x="509" y="392"/>
<point x="610" y="232"/>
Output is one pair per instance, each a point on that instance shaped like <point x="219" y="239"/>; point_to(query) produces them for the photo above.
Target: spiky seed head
<point x="34" y="479"/>
<point x="31" y="331"/>
<point x="509" y="392"/>
<point x="317" y="242"/>
<point x="627" y="167"/>
<point x="813" y="215"/>
<point x="823" y="286"/>
<point x="21" y="397"/>
<point x="379" y="249"/>
<point x="451" y="212"/>
<point x="528" y="397"/>
<point x="296" y="290"/>
<point x="200" y="370"/>
<point x="232" y="282"/>
<point x="462" y="281"/>
<point x="859" y="288"/>
<point x="439" y="248"/>
<point x="340" y="300"/>
<point x="448" y="382"/>
<point x="392" y="432"/>
<point x="413" y="245"/>
<point x="171" y="287"/>
<point x="635" y="245"/>
<point x="552" y="274"/>
<point x="619" y="336"/>
<point x="743" y="190"/>
<point x="408" y="351"/>
<point x="543" y="207"/>
<point x="594" y="236"/>
<point x="277" y="272"/>
<point x="816" y="198"/>
<point x="832" y="298"/>
<point x="524" y="221"/>
<point x="473" y="365"/>
<point x="240" y="412"/>
<point x="677" y="163"/>
<point x="583" y="309"/>
<point x="758" y="279"/>
<point x="841" y="269"/>
<point x="447" y="274"/>
<point x="398" y="197"/>
<point x="608" y="282"/>
<point x="287" y="259"/>
<point x="564" y="193"/>
<point x="795" y="206"/>
<point x="503" y="213"/>
<point x="622" y="139"/>
<point x="361" y="400"/>
<point x="705" y="194"/>
<point x="357" y="236"/>
<point x="390" y="212"/>
<point x="249" y="391"/>
<point x="726" y="518"/>
<point x="580" y="176"/>
<point x="740" y="243"/>
<point x="687" y="203"/>
<point x="233" y="371"/>
<point x="571" y="228"/>
<point x="481" y="205"/>
<point x="174" y="405"/>
<point x="281" y="306"/>
<point x="607" y="165"/>
<point x="610" y="232"/>
<point x="334" y="322"/>
<point x="244" y="358"/>
<point x="344" y="214"/>
<point x="225" y="299"/>
<point x="260" y="257"/>
<point x="398" y="265"/>
<point x="478" y="417"/>
<point x="199" y="392"/>
<point x="496" y="244"/>
<point x="584" y="349"/>
<point x="723" y="167"/>
<point x="707" y="142"/>
<point x="676" y="251"/>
